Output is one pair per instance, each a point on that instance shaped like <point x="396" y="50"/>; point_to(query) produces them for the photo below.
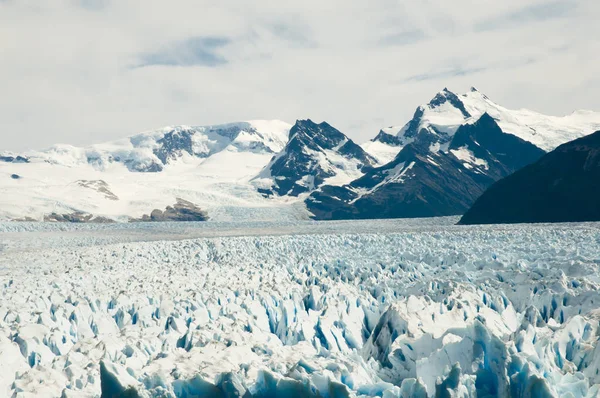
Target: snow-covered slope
<point x="152" y="151"/>
<point x="545" y="132"/>
<point x="209" y="166"/>
<point x="386" y="145"/>
<point x="447" y="111"/>
<point x="409" y="311"/>
<point x="316" y="154"/>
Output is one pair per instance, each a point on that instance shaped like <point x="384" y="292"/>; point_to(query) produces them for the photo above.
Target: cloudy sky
<point x="86" y="71"/>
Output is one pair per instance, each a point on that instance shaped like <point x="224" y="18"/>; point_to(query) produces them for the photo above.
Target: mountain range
<point x="436" y="164"/>
<point x="424" y="181"/>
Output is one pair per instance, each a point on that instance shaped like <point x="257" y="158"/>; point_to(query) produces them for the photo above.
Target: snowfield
<point x="394" y="308"/>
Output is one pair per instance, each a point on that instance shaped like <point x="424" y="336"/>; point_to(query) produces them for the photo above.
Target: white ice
<point x="397" y="308"/>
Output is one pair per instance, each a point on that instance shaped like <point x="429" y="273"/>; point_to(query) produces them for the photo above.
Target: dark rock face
<point x="14" y="159"/>
<point x="562" y="186"/>
<point x="173" y="144"/>
<point x="299" y="167"/>
<point x="487" y="141"/>
<point x="448" y="96"/>
<point x="412" y="128"/>
<point x="415" y="184"/>
<point x="420" y="182"/>
<point x="182" y="210"/>
<point x="388" y="139"/>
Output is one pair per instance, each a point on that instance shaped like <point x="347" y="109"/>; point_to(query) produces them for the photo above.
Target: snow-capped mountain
<point x="438" y="163"/>
<point x="315" y="154"/>
<point x="126" y="179"/>
<point x="152" y="151"/>
<point x="447" y="111"/>
<point x="423" y="181"/>
<point x="563" y="186"/>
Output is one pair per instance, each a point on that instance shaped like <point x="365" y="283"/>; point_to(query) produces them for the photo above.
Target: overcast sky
<point x="87" y="71"/>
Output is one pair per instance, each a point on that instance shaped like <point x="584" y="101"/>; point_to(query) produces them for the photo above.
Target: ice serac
<point x="424" y="180"/>
<point x="315" y="154"/>
<point x="394" y="308"/>
<point x="562" y="186"/>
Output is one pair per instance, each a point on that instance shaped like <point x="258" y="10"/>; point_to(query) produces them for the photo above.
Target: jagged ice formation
<point x="411" y="311"/>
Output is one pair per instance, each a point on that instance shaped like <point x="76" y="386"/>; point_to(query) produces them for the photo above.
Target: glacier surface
<point x="386" y="308"/>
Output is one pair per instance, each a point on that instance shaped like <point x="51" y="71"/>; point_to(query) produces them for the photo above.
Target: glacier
<point x="374" y="308"/>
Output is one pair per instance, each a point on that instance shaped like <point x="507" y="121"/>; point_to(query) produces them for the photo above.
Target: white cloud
<point x="70" y="69"/>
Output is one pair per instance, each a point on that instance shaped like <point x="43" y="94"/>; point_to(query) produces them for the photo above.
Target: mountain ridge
<point x="231" y="170"/>
<point x="422" y="181"/>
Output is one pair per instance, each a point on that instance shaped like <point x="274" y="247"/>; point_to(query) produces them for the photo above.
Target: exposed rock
<point x="199" y="141"/>
<point x="182" y="210"/>
<point x="504" y="153"/>
<point x="100" y="186"/>
<point x="173" y="144"/>
<point x="77" y="217"/>
<point x="25" y="219"/>
<point x="314" y="153"/>
<point x="13" y="159"/>
<point x="448" y="96"/>
<point x="388" y="139"/>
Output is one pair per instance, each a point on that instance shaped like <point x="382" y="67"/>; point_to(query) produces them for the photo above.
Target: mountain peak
<point x="441" y="96"/>
<point x="304" y="121"/>
<point x="308" y="124"/>
<point x="447" y="96"/>
<point x="315" y="153"/>
<point x="323" y="134"/>
<point x="486" y="118"/>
